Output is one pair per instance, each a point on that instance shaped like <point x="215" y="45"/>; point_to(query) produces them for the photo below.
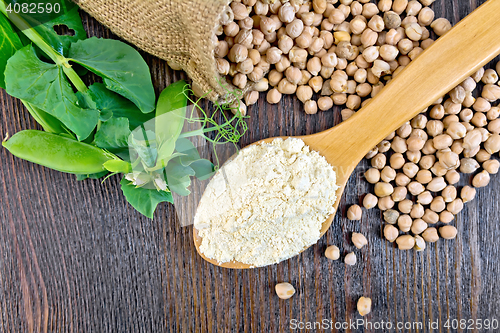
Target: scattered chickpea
<point x="370" y="201"/>
<point x="359" y="240"/>
<point x="390" y="233"/>
<point x="481" y="179"/>
<point x="350" y="259"/>
<point x="354" y="213"/>
<point x="332" y="252"/>
<point x="364" y="306"/>
<point x="284" y="290"/>
<point x="468" y="193"/>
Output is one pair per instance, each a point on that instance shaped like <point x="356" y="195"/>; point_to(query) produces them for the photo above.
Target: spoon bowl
<point x="471" y="44"/>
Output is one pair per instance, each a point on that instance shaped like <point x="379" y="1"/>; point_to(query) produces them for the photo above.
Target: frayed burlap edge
<point x="182" y="32"/>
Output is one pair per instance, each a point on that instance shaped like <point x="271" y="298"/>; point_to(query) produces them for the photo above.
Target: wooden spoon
<point x="472" y="43"/>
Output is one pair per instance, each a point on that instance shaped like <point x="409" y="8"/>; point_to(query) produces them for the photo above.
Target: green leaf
<point x="118" y="166"/>
<point x="69" y="18"/>
<point x="111" y="103"/>
<point x="144" y="200"/>
<point x="190" y="157"/>
<point x="49" y="123"/>
<point x="9" y="44"/>
<point x="204" y="169"/>
<point x="91" y="176"/>
<point x="179" y="177"/>
<point x="186" y="147"/>
<point x="45" y="86"/>
<point x="170" y="112"/>
<point x="123" y="69"/>
<point x="113" y="134"/>
<point x="57" y="152"/>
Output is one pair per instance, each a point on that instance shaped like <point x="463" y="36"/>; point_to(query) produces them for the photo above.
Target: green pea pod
<point x="57" y="152"/>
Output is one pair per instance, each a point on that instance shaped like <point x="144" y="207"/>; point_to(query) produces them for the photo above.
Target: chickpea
<point x="304" y="93"/>
<point x="405" y="242"/>
<point x="405" y="206"/>
<point x="370" y="201"/>
<point x="397" y="161"/>
<point x="430" y="217"/>
<point x="491" y="166"/>
<point x="332" y="252"/>
<point x="426" y="162"/>
<point x="390" y="233"/>
<point x="481" y="179"/>
<point x="468" y="165"/>
<point x="448" y="232"/>
<point x="417" y="211"/>
<point x="364" y="306"/>
<point x="446" y="216"/>
<point x="430" y="235"/>
<point x="350" y="259"/>
<point x="295" y="28"/>
<point x="449" y="193"/>
<point x="423" y="176"/>
<point x="414" y="31"/>
<point x="441" y="26"/>
<point x="316" y="83"/>
<point x="437" y="184"/>
<point x="404" y="223"/>
<point x="399" y="193"/>
<point x="311" y="107"/>
<point x="455" y="206"/>
<point x="410" y="169"/>
<point x="482" y="156"/>
<point x="284" y="290"/>
<point x="251" y="97"/>
<point x="385" y="203"/>
<point x="273" y="96"/>
<point x="379" y="161"/>
<point x="383" y="189"/>
<point x="402" y="179"/>
<point x="425" y="198"/>
<point x="419" y="243"/>
<point x="418" y="226"/>
<point x="359" y="240"/>
<point x="425" y="16"/>
<point x="492" y="144"/>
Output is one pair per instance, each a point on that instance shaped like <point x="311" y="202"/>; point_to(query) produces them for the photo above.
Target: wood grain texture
<point x="75" y="257"/>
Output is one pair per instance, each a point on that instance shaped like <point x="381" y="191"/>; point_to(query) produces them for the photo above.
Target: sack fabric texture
<point x="179" y="31"/>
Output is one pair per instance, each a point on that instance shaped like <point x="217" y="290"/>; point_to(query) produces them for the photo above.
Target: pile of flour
<point x="266" y="205"/>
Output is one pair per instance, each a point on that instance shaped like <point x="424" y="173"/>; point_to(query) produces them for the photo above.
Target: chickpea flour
<point x="267" y="204"/>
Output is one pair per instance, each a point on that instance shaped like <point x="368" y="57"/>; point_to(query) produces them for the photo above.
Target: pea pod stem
<point x="38" y="40"/>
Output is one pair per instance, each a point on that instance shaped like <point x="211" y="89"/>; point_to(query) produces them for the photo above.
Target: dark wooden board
<point x="75" y="257"/>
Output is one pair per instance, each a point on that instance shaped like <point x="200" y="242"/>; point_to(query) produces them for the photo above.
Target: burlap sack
<point x="179" y="31"/>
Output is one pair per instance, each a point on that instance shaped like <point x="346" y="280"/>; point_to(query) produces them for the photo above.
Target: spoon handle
<point x="472" y="43"/>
